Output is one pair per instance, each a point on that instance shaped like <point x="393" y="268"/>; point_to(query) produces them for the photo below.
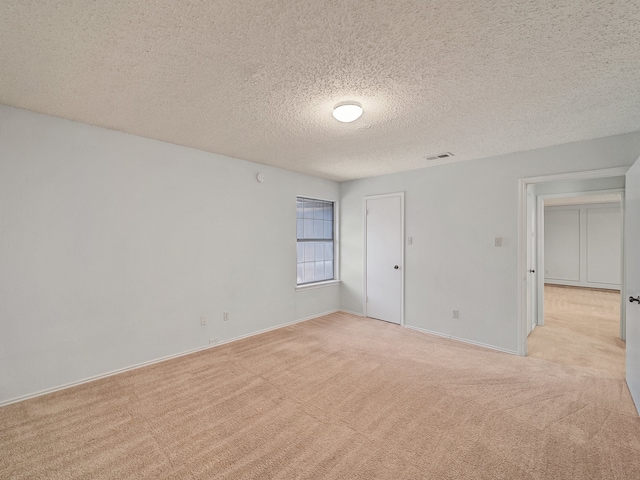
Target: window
<point x="315" y="233"/>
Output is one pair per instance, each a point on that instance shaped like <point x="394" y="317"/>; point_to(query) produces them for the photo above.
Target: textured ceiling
<point x="257" y="80"/>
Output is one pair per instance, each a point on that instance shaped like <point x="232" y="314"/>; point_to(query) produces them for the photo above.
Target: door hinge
<point x="366" y="299"/>
<point x="367" y="211"/>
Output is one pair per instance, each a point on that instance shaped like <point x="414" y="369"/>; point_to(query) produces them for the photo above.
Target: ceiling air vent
<point x="440" y="156"/>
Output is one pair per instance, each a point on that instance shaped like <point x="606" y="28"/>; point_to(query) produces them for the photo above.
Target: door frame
<point x="523" y="232"/>
<point x="364" y="216"/>
<point x="531" y="323"/>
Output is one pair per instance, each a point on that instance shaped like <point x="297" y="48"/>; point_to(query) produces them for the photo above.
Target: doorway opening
<point x="580" y="267"/>
<point x="531" y="287"/>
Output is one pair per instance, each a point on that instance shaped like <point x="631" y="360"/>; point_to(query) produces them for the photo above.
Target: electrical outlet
<point x="213" y="341"/>
<point x="497" y="242"/>
<point x="410" y="241"/>
<point x="225" y="316"/>
<point x="455" y="313"/>
<point x="203" y="320"/>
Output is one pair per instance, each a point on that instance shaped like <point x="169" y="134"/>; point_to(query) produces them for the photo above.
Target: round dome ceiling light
<point x="347" y="111"/>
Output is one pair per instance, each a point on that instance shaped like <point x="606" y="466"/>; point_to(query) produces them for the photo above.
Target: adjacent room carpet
<point x="339" y="397"/>
<point x="581" y="327"/>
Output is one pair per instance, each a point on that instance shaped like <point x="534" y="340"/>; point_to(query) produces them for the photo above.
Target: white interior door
<point x="532" y="283"/>
<point x="384" y="257"/>
<point x="632" y="278"/>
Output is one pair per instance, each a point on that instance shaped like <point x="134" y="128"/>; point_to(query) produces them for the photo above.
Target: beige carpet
<point x="339" y="397"/>
<point x="581" y="327"/>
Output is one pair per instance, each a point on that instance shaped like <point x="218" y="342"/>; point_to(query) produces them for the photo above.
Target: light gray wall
<point x="582" y="245"/>
<point x="562" y="241"/>
<point x="112" y="246"/>
<point x="453" y="213"/>
<point x="584" y="185"/>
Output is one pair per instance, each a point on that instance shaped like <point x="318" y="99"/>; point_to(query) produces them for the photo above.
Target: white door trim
<point x="364" y="214"/>
<point x="540" y="259"/>
<point x="522" y="236"/>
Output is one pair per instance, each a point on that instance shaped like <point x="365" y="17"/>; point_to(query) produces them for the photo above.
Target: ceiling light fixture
<point x="347" y="111"/>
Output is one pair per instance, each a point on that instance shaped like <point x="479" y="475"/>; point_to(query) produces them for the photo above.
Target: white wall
<point x="582" y="245"/>
<point x="453" y="213"/>
<point x="112" y="246"/>
<point x="562" y="244"/>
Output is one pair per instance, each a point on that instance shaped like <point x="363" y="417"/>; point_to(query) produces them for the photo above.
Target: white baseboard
<point x="570" y="283"/>
<point x="351" y="313"/>
<point x="301" y="320"/>
<point x="463" y="340"/>
<point x="157" y="360"/>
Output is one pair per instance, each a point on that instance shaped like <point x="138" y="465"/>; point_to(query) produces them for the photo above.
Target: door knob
<point x="531" y="270"/>
<point x="634" y="299"/>
<point x="396" y="267"/>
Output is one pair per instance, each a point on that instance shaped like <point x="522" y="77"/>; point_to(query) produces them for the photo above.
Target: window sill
<point x="311" y="286"/>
